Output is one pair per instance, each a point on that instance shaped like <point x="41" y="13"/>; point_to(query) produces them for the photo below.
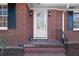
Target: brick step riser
<point x="53" y="50"/>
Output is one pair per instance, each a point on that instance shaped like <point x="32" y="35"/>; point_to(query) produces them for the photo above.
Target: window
<point x="76" y="21"/>
<point x="3" y="17"/>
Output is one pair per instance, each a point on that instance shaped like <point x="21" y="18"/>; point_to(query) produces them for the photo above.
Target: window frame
<point x="75" y="29"/>
<point x="4" y="28"/>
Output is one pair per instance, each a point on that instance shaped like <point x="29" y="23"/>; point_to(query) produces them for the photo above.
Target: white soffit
<point x="3" y="3"/>
<point x="54" y="6"/>
<point x="40" y="5"/>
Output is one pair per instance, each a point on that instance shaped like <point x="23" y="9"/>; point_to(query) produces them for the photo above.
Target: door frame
<point x="46" y="25"/>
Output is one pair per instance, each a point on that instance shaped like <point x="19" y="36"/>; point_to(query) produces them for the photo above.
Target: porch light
<point x="49" y="13"/>
<point x="30" y="13"/>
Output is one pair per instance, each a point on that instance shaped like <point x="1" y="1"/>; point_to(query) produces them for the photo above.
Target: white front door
<point x="40" y="23"/>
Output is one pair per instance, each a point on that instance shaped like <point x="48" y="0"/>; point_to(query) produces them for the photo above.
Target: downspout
<point x="64" y="38"/>
<point x="63" y="24"/>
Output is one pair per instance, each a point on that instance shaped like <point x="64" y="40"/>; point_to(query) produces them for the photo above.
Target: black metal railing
<point x="58" y="34"/>
<point x="63" y="41"/>
<point x="59" y="37"/>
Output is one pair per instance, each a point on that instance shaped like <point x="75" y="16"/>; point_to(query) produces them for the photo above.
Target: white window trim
<point x="75" y="29"/>
<point x="3" y="28"/>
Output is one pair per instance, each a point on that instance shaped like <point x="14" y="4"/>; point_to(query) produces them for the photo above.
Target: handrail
<point x="62" y="40"/>
<point x="59" y="37"/>
<point x="65" y="42"/>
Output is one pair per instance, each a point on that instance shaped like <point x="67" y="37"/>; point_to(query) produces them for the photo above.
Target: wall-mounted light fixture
<point x="49" y="13"/>
<point x="30" y="13"/>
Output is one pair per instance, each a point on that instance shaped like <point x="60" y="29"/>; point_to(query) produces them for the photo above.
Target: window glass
<point x="1" y="18"/>
<point x="3" y="15"/>
<point x="76" y="20"/>
<point x="40" y="20"/>
<point x="5" y="10"/>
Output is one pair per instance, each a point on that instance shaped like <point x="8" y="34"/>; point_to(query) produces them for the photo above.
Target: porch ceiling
<point x="53" y="6"/>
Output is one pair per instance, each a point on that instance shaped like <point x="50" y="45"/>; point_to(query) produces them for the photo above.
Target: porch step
<point x="44" y="46"/>
<point x="39" y="50"/>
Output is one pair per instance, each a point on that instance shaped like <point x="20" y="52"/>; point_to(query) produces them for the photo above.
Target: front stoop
<point x="50" y="48"/>
<point x="73" y="49"/>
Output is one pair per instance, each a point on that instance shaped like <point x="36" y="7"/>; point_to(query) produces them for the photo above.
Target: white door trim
<point x="45" y="20"/>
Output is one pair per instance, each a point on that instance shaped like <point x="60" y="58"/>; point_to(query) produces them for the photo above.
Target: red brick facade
<point x="54" y="23"/>
<point x="73" y="36"/>
<point x="24" y="26"/>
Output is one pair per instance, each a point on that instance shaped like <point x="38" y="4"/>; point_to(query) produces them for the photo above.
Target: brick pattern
<point x="23" y="26"/>
<point x="54" y="24"/>
<point x="73" y="36"/>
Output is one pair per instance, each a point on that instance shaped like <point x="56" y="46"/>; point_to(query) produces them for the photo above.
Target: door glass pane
<point x="40" y="20"/>
<point x="5" y="10"/>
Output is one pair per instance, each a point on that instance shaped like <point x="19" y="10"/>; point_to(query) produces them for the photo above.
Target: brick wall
<point x="23" y="26"/>
<point x="54" y="23"/>
<point x="73" y="36"/>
